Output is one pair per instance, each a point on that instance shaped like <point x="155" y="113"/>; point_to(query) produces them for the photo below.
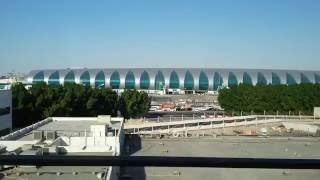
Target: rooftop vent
<point x="51" y="135"/>
<point x="38" y="135"/>
<point x="60" y="150"/>
<point x="45" y="151"/>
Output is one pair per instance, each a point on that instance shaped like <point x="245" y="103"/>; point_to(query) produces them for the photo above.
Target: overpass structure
<point x="176" y="127"/>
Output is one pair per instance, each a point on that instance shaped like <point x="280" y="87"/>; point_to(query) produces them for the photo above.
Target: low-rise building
<point x="65" y="136"/>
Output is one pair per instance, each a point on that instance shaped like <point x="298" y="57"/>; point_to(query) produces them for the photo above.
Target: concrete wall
<point x="316" y="111"/>
<point x="6" y="101"/>
<point x="301" y="127"/>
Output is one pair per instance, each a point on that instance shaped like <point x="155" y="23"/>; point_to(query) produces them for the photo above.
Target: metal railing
<point x="161" y="161"/>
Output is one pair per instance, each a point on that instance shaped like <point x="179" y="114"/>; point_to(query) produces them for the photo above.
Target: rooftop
<point x="65" y="136"/>
<point x="224" y="147"/>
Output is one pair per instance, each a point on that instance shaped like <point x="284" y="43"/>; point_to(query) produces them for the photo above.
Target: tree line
<point x="271" y="99"/>
<point x="41" y="101"/>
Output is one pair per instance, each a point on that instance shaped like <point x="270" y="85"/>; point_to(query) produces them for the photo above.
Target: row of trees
<point x="41" y="101"/>
<point x="281" y="98"/>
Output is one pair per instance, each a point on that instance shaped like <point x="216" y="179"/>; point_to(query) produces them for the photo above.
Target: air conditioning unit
<point x="45" y="151"/>
<point x="60" y="150"/>
<point x="37" y="135"/>
<point x="51" y="135"/>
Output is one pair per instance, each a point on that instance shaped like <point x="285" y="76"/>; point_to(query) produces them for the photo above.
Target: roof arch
<point x="304" y="78"/>
<point x="54" y="79"/>
<point x="246" y="79"/>
<point x="115" y="80"/>
<point x="275" y="79"/>
<point x="290" y="79"/>
<point x="159" y="81"/>
<point x="38" y="78"/>
<point x="85" y="78"/>
<point x="316" y="78"/>
<point x="174" y="80"/>
<point x="130" y="80"/>
<point x="232" y="79"/>
<point x="100" y="79"/>
<point x="217" y="81"/>
<point x="203" y="81"/>
<point x="261" y="80"/>
<point x="144" y="80"/>
<point x="69" y="78"/>
<point x="188" y="81"/>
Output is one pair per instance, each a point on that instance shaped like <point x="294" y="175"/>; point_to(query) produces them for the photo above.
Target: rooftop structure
<point x="198" y="79"/>
<point x="65" y="136"/>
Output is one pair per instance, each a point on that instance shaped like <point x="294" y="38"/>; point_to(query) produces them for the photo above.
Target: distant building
<point x="66" y="136"/>
<point x="5" y="111"/>
<point x="172" y="79"/>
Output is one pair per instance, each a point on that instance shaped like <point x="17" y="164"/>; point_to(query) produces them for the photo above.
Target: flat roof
<point x="225" y="147"/>
<point x="67" y="127"/>
<point x="50" y="172"/>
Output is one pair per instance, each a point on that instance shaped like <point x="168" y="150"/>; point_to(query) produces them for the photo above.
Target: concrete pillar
<point x="222" y="126"/>
<point x="300" y="115"/>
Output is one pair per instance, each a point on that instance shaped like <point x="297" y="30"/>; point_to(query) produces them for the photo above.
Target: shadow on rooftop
<point x="132" y="145"/>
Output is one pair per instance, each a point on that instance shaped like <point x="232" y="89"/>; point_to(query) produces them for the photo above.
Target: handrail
<point x="161" y="161"/>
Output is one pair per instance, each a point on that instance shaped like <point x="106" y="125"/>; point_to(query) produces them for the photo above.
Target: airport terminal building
<point x="187" y="79"/>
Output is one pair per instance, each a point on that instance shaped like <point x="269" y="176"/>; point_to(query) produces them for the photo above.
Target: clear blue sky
<point x="281" y="34"/>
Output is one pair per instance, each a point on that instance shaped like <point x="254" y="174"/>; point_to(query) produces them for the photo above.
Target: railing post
<point x="300" y="115"/>
<point x="222" y="126"/>
<point x="158" y="119"/>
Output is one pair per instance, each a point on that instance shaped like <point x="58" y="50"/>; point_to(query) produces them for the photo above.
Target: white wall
<point x="6" y="101"/>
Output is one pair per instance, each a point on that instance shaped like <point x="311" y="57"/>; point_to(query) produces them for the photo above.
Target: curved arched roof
<point x="268" y="76"/>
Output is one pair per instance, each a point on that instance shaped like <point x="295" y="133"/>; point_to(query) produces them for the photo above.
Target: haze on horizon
<point x="266" y="34"/>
